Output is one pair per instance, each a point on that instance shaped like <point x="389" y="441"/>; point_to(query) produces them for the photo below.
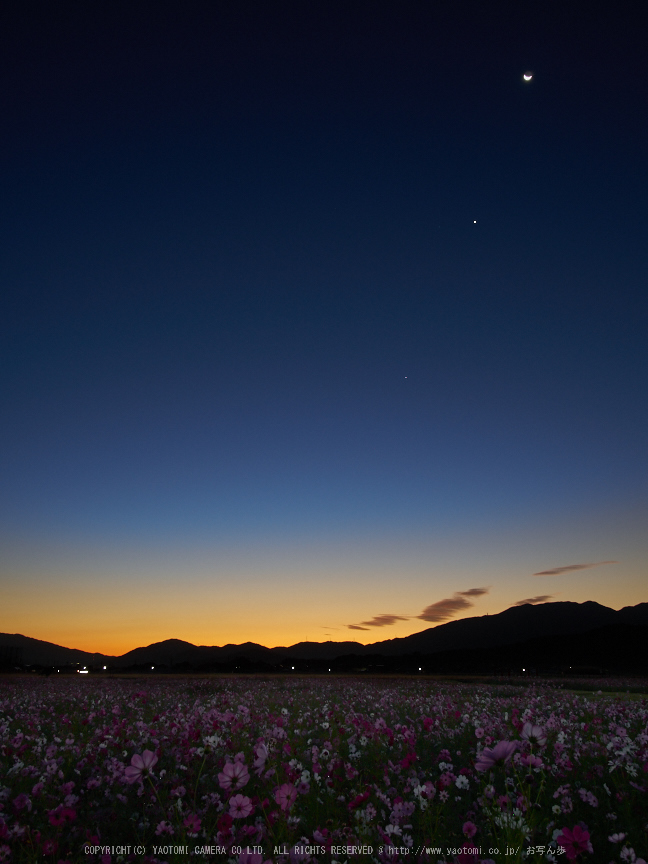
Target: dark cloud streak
<point x="569" y="568"/>
<point x="444" y="609"/>
<point x="541" y="598"/>
<point x="384" y="620"/>
<point x="439" y="611"/>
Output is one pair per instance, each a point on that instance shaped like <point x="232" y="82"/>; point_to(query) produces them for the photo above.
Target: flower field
<point x="254" y="770"/>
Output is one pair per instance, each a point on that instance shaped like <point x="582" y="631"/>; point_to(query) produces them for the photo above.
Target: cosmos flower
<point x="60" y="815"/>
<point x="285" y="796"/>
<point x="261" y="753"/>
<point x="192" y="822"/>
<point x="574" y="842"/>
<point x="499" y="754"/>
<point x="233" y="776"/>
<point x="533" y="734"/>
<point x="140" y="765"/>
<point x="240" y="806"/>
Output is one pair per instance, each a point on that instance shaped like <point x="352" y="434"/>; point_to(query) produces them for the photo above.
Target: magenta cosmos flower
<point x="240" y="806"/>
<point x="233" y="776"/>
<point x="61" y="815"/>
<point x="574" y="842"/>
<point x="285" y="796"/>
<point x="192" y="822"/>
<point x="500" y="754"/>
<point x="140" y="765"/>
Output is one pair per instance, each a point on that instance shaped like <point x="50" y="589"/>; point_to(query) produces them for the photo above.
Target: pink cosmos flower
<point x="574" y="842"/>
<point x="533" y="734"/>
<point x="22" y="801"/>
<point x="140" y="765"/>
<point x="469" y="829"/>
<point x="233" y="776"/>
<point x="531" y="761"/>
<point x="164" y="827"/>
<point x="285" y="796"/>
<point x="479" y="732"/>
<point x="240" y="806"/>
<point x="261" y="753"/>
<point x="500" y="754"/>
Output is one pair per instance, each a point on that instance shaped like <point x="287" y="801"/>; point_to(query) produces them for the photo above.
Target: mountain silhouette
<point x="547" y="634"/>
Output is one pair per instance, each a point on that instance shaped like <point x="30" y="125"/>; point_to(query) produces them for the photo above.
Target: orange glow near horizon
<point x="90" y="616"/>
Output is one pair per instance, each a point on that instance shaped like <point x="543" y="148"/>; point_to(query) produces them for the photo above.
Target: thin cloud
<point x="384" y="620"/>
<point x="542" y="598"/>
<point x="556" y="571"/>
<point x="444" y="609"/>
<point x="440" y="611"/>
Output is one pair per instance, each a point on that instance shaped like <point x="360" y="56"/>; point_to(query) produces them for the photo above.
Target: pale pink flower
<point x="469" y="829"/>
<point x="285" y="796"/>
<point x="479" y="732"/>
<point x="533" y="734"/>
<point x="140" y="765"/>
<point x="531" y="761"/>
<point x="500" y="754"/>
<point x="240" y="806"/>
<point x="261" y="753"/>
<point x="164" y="828"/>
<point x="233" y="776"/>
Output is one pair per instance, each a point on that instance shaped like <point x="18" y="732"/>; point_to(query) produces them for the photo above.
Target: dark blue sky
<point x="327" y="277"/>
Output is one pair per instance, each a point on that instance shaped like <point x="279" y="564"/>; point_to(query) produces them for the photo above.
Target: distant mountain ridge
<point x="518" y="624"/>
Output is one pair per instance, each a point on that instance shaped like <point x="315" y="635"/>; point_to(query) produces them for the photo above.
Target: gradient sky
<point x="316" y="312"/>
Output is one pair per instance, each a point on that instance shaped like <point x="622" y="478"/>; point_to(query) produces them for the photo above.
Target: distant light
<point x="528" y="76"/>
<point x="293" y="667"/>
<point x="105" y="667"/>
<point x="524" y="670"/>
<point x="83" y="671"/>
<point x="420" y="669"/>
<point x="329" y="670"/>
<point x="152" y="667"/>
<point x="474" y="221"/>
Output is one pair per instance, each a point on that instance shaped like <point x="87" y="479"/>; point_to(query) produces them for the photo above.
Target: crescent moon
<point x="527" y="76"/>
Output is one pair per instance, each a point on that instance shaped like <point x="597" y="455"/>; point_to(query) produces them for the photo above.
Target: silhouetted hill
<point x="544" y="633"/>
<point x="37" y="652"/>
<point x="513" y="625"/>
